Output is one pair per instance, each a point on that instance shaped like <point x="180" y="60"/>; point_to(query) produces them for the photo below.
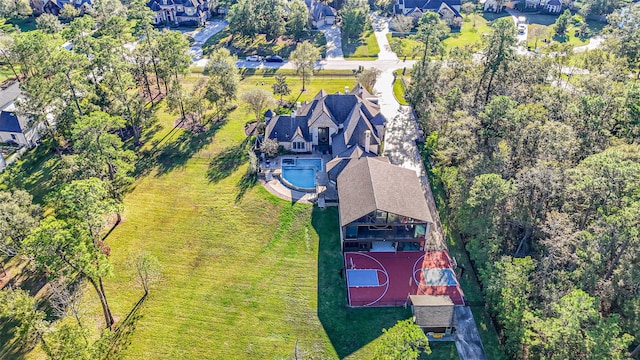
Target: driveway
<point x="467" y="337"/>
<point x="594" y="43"/>
<point x="381" y="29"/>
<point x="334" y="41"/>
<point x="201" y="36"/>
<point x="521" y="38"/>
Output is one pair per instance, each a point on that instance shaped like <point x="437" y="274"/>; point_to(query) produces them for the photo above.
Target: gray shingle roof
<point x="354" y="112"/>
<point x="368" y="184"/>
<point x="282" y="128"/>
<point x="10" y="93"/>
<point x="9" y="122"/>
<point x="433" y="311"/>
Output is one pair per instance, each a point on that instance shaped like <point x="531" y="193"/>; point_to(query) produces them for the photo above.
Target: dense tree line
<point x="541" y="170"/>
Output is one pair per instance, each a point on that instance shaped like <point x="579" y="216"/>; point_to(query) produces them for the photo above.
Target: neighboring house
<point x="55" y="6"/>
<point x="434" y="313"/>
<point x="550" y="6"/>
<point x="381" y="206"/>
<point x="15" y="128"/>
<point x="553" y="7"/>
<point x="330" y="123"/>
<point x="180" y="12"/>
<point x="449" y="10"/>
<point x="320" y="14"/>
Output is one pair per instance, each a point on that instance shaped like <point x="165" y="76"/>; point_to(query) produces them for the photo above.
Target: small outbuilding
<point x="434" y="313"/>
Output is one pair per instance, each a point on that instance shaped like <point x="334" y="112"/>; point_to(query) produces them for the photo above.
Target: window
<point x="13" y="136"/>
<point x="297" y="145"/>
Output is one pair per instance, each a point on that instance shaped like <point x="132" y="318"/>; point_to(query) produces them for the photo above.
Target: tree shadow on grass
<point x="9" y="347"/>
<point x="348" y="329"/>
<point x="248" y="180"/>
<point x="176" y="153"/>
<point x="225" y="163"/>
<point x="121" y="336"/>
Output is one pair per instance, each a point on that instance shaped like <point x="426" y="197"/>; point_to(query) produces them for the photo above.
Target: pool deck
<point x="277" y="188"/>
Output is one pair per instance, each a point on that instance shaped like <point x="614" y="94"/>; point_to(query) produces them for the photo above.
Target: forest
<point x="540" y="162"/>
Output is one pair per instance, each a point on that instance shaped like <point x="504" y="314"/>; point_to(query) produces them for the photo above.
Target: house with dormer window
<point x="330" y="123"/>
<point x="180" y="12"/>
<point x="55" y="6"/>
<point x="449" y="10"/>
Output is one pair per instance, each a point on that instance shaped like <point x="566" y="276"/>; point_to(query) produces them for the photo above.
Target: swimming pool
<point x="301" y="173"/>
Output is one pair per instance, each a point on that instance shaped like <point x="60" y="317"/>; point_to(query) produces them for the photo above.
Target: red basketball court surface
<point x="388" y="278"/>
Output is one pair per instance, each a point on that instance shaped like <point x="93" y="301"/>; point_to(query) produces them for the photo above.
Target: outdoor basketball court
<point x="381" y="278"/>
<point x="388" y="278"/>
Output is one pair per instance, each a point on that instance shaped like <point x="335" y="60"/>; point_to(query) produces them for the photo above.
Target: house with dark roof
<point x="381" y="206"/>
<point x="14" y="127"/>
<point x="449" y="10"/>
<point x="180" y="12"/>
<point x="330" y="123"/>
<point x="320" y="14"/>
<point x="55" y="6"/>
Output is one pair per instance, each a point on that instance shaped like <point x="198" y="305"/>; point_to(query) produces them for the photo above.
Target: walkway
<point x="381" y="29"/>
<point x="334" y="41"/>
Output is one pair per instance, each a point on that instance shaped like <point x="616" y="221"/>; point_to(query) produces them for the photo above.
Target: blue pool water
<point x="303" y="173"/>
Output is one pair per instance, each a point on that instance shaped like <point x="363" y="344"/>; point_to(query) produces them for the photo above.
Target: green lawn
<point x="246" y="276"/>
<point x="541" y="27"/>
<point x="243" y="46"/>
<point x="365" y="48"/>
<point x="398" y="89"/>
<point x="473" y="27"/>
<point x="470" y="34"/>
<point x="405" y="46"/>
<point x="26" y="24"/>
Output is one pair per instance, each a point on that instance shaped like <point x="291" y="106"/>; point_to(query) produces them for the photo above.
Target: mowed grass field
<point x="244" y="277"/>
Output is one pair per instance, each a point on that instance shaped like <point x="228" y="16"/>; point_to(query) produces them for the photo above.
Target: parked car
<point x="274" y="58"/>
<point x="254" y="58"/>
<point x="522" y="28"/>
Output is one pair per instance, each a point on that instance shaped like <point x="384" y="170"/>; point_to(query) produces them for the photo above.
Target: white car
<point x="254" y="58"/>
<point x="522" y="28"/>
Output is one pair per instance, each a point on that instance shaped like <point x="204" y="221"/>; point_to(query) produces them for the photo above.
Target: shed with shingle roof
<point x="435" y="313"/>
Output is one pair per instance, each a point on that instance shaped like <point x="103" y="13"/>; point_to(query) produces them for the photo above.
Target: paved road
<point x="333" y="35"/>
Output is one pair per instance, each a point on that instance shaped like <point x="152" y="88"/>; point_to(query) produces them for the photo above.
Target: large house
<point x="381" y="206"/>
<point x="320" y="14"/>
<point x="549" y="6"/>
<point x="55" y="6"/>
<point x="330" y="123"/>
<point x="14" y="127"/>
<point x="449" y="10"/>
<point x="180" y="12"/>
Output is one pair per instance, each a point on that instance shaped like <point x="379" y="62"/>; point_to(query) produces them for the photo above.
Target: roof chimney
<point x="346" y="89"/>
<point x="293" y="115"/>
<point x="367" y="140"/>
